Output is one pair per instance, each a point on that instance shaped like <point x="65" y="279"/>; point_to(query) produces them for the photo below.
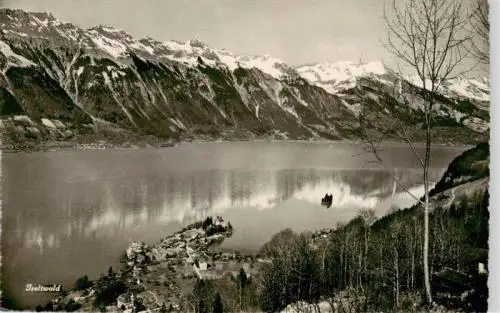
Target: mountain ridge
<point x="192" y="43"/>
<point x="57" y="71"/>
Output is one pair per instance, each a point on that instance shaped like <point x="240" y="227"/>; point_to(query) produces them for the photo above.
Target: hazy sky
<point x="296" y="31"/>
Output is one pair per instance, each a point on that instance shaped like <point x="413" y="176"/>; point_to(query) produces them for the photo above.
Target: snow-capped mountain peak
<point x="337" y="76"/>
<point x="343" y="69"/>
<point x="190" y="51"/>
<point x="116" y="44"/>
<point x="53" y="71"/>
<point x="469" y="88"/>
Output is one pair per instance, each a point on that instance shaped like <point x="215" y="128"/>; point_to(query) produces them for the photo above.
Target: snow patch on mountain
<point x="14" y="59"/>
<point x="140" y="46"/>
<point x="471" y="88"/>
<point x="332" y="77"/>
<point x="338" y="76"/>
<point x="107" y="81"/>
<point x="189" y="52"/>
<point x="355" y="108"/>
<point x="110" y="29"/>
<point x="106" y="45"/>
<point x="113" y="47"/>
<point x="476" y="124"/>
<point x="266" y="64"/>
<point x="79" y="71"/>
<point x="48" y="123"/>
<point x="340" y="70"/>
<point x="44" y="23"/>
<point x="8" y="31"/>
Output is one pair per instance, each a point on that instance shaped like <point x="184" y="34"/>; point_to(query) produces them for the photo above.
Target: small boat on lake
<point x="327" y="201"/>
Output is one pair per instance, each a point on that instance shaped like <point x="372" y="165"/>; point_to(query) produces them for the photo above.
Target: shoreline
<point x="159" y="273"/>
<point x="101" y="145"/>
<point x="156" y="274"/>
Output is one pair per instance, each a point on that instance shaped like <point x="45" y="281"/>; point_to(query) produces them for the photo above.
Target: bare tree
<point x="429" y="37"/>
<point x="368" y="216"/>
<point x="480" y="25"/>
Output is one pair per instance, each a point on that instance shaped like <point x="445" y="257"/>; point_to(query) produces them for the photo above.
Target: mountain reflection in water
<point x="101" y="208"/>
<point x="66" y="214"/>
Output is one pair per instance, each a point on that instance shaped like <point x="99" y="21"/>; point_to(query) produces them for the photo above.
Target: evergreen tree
<point x="201" y="307"/>
<point x="82" y="283"/>
<point x="242" y="279"/>
<point x="217" y="306"/>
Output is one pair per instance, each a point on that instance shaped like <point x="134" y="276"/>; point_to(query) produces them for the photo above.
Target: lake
<point x="70" y="213"/>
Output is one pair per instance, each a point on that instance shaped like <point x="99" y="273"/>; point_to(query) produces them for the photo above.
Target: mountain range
<point x="63" y="83"/>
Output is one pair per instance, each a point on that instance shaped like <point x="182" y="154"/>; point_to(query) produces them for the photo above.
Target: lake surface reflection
<point x="67" y="213"/>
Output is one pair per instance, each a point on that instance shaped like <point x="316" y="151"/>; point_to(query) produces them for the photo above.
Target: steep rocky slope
<point x="467" y="175"/>
<point x="59" y="82"/>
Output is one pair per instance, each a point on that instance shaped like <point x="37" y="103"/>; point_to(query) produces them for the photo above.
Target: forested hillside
<point x="373" y="265"/>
